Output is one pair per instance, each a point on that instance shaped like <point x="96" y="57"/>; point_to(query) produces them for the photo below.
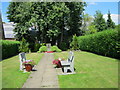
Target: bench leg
<point x="65" y="70"/>
<point x="72" y="69"/>
<point x="21" y="66"/>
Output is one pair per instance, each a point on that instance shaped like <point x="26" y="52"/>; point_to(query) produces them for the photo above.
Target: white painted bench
<point x="22" y="58"/>
<point x="69" y="63"/>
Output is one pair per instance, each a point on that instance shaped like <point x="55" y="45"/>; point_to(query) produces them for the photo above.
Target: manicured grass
<point x="0" y="75"/>
<point x="92" y="71"/>
<point x="12" y="77"/>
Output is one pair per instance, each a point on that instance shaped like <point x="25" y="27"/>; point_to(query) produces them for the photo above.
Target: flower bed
<point x="49" y="51"/>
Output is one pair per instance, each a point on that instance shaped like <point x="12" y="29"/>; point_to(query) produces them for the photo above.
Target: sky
<point x="90" y="9"/>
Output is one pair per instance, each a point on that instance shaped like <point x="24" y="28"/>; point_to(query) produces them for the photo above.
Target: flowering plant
<point x="57" y="62"/>
<point x="31" y="62"/>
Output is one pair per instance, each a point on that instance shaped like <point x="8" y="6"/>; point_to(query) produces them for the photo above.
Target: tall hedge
<point x="9" y="48"/>
<point x="103" y="43"/>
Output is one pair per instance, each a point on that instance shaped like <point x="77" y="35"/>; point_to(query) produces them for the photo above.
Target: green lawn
<point x="12" y="77"/>
<point x="92" y="71"/>
<point x="0" y="75"/>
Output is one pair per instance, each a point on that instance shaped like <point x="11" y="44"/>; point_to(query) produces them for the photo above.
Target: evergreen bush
<point x="104" y="43"/>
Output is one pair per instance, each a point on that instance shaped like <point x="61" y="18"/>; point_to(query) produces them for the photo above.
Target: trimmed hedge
<point x="103" y="43"/>
<point x="42" y="49"/>
<point x="55" y="49"/>
<point x="9" y="48"/>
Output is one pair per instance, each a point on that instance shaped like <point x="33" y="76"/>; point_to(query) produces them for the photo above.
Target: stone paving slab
<point x="45" y="76"/>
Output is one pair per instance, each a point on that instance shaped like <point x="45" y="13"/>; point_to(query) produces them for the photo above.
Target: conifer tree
<point x="110" y="23"/>
<point x="99" y="21"/>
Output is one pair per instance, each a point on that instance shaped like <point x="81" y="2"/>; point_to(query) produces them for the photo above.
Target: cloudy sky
<point x="104" y="7"/>
<point x="90" y="9"/>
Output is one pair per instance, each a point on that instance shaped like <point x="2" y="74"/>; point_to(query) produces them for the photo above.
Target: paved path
<point x="45" y="76"/>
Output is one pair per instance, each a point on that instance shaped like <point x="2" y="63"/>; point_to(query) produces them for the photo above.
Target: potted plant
<point x="29" y="64"/>
<point x="57" y="62"/>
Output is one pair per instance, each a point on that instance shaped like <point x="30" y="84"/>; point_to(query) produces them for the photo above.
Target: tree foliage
<point x="99" y="21"/>
<point x="91" y="29"/>
<point x="110" y="23"/>
<point x="87" y="20"/>
<point x="52" y="20"/>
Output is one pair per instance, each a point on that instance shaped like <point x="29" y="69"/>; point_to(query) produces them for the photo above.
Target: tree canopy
<point x="53" y="21"/>
<point x="99" y="21"/>
<point x="110" y="23"/>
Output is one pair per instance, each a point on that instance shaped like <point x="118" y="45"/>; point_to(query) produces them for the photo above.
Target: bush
<point x="42" y="49"/>
<point x="9" y="48"/>
<point x="104" y="43"/>
<point x="24" y="46"/>
<point x="74" y="43"/>
<point x="55" y="49"/>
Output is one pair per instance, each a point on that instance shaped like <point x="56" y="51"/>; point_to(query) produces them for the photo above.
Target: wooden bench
<point x="68" y="64"/>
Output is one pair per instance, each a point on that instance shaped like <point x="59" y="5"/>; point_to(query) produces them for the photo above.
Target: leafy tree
<point x="19" y="12"/>
<point x="87" y="20"/>
<point x="14" y="14"/>
<point x="91" y="29"/>
<point x="75" y="17"/>
<point x="54" y="21"/>
<point x="99" y="21"/>
<point x="110" y="23"/>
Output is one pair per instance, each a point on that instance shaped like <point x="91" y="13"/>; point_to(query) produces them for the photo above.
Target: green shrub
<point x="55" y="49"/>
<point x="9" y="48"/>
<point x="104" y="43"/>
<point x="74" y="43"/>
<point x="42" y="49"/>
<point x="24" y="46"/>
